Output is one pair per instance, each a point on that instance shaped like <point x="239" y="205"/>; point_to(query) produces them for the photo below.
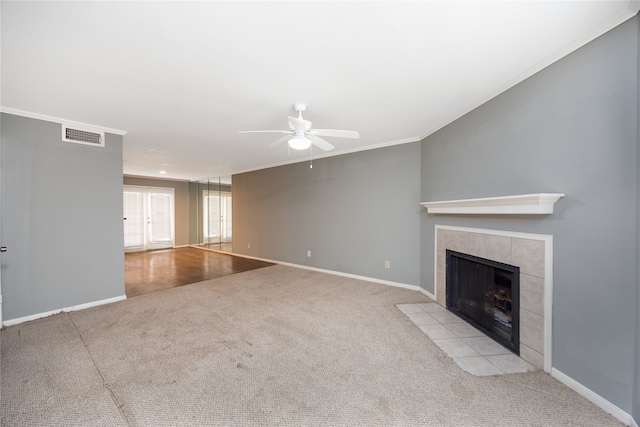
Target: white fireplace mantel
<point x="523" y="204"/>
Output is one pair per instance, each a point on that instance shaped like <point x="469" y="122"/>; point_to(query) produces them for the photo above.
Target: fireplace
<point x="487" y="294"/>
<point x="533" y="254"/>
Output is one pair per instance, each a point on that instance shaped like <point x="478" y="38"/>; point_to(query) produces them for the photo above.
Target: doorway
<point x="148" y="214"/>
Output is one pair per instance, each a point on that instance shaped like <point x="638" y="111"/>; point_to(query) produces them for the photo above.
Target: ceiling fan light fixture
<point x="301" y="136"/>
<point x="299" y="142"/>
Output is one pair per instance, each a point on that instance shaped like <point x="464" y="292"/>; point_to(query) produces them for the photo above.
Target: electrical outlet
<point x="248" y="245"/>
<point x="387" y="264"/>
<point x="309" y="254"/>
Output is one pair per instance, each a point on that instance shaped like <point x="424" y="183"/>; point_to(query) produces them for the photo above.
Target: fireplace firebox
<point x="487" y="294"/>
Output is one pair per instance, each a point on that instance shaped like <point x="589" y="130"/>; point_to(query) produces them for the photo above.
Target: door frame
<point x="147" y="191"/>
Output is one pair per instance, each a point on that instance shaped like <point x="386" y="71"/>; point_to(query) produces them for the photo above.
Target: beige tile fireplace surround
<point x="533" y="254"/>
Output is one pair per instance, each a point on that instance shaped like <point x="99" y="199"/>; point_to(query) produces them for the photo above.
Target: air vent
<point x="80" y="136"/>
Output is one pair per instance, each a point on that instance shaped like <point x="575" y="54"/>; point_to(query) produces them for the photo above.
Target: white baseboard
<point x="333" y="272"/>
<point x="67" y="309"/>
<point x="428" y="294"/>
<point x="352" y="276"/>
<point x="594" y="397"/>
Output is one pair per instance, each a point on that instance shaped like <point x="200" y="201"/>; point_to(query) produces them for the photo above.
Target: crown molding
<point x="71" y="123"/>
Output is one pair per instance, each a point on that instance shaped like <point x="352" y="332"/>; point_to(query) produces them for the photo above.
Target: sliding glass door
<point x="148" y="218"/>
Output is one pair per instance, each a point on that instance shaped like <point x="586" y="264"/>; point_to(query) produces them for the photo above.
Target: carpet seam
<point x="107" y="387"/>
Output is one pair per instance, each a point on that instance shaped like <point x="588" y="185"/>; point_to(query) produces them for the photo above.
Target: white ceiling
<point x="182" y="78"/>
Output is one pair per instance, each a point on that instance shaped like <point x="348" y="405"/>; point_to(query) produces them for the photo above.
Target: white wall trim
<point x="322" y="270"/>
<point x="594" y="397"/>
<point x="353" y="276"/>
<point x="427" y="293"/>
<point x="334" y="153"/>
<point x="71" y="123"/>
<point x="18" y="320"/>
<point x="548" y="276"/>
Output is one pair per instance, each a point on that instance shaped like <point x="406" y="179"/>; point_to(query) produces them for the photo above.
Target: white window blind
<point x="133" y="219"/>
<point x="161" y="218"/>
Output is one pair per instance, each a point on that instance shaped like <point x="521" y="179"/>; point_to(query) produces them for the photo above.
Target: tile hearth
<point x="471" y="349"/>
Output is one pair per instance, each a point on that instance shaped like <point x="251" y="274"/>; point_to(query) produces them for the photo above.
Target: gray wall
<point x="636" y="377"/>
<point x="352" y="212"/>
<point x="181" y="195"/>
<point x="571" y="128"/>
<point x="61" y="219"/>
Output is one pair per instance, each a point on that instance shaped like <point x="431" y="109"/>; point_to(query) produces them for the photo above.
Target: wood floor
<point x="152" y="271"/>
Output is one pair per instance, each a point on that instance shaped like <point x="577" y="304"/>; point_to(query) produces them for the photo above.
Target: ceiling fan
<point x="300" y="135"/>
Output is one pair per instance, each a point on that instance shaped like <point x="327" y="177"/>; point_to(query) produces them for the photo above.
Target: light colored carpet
<point x="273" y="346"/>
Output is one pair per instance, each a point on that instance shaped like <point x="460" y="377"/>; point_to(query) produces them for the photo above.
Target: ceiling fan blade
<point x="337" y="133"/>
<point x="320" y="143"/>
<point x="265" y="131"/>
<point x="279" y="141"/>
<point x="300" y="125"/>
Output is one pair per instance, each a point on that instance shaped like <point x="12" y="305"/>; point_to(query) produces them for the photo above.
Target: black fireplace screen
<point x="486" y="293"/>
